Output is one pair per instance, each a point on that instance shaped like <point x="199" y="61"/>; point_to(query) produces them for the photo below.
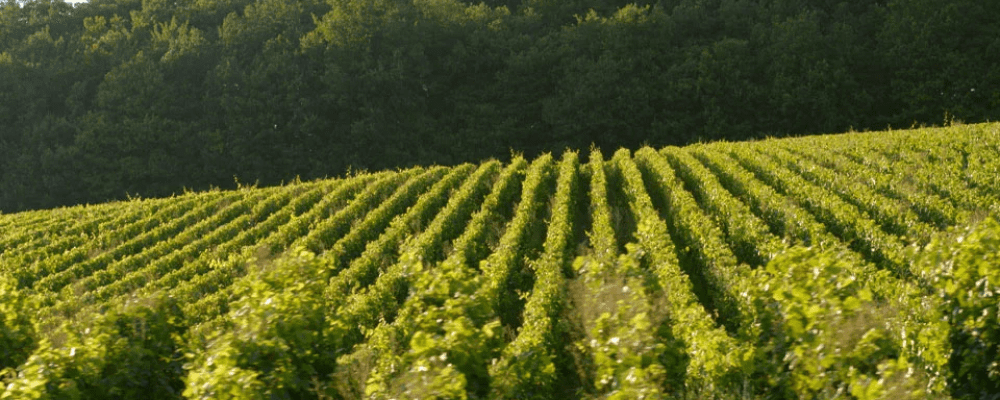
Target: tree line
<point x="111" y="98"/>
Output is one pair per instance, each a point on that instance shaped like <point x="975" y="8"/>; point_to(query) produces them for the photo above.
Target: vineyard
<point x="860" y="265"/>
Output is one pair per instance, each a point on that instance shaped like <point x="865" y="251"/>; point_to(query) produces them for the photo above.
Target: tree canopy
<point x="108" y="98"/>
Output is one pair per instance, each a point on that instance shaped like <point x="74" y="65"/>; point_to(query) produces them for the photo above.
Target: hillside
<point x="858" y="265"/>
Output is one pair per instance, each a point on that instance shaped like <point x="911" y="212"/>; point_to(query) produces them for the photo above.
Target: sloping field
<point x="861" y="265"/>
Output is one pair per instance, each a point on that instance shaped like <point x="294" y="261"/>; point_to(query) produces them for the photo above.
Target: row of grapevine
<point x="709" y="259"/>
<point x="221" y="240"/>
<point x="714" y="360"/>
<point x="62" y="275"/>
<point x="411" y="354"/>
<point x="32" y="235"/>
<point x="784" y="277"/>
<point x="127" y="352"/>
<point x="893" y="216"/>
<point x="984" y="162"/>
<point x="28" y="273"/>
<point x="48" y="350"/>
<point x="16" y="258"/>
<point x="265" y="350"/>
<point x="928" y="172"/>
<point x="748" y="236"/>
<point x="69" y="238"/>
<point x="373" y="311"/>
<point x="786" y="219"/>
<point x="86" y="345"/>
<point x="930" y="208"/>
<point x="934" y="164"/>
<point x="775" y="333"/>
<point x="17" y="333"/>
<point x="850" y="224"/>
<point x="961" y="267"/>
<point x="91" y="337"/>
<point x="616" y="300"/>
<point x="528" y="366"/>
<point x="210" y="293"/>
<point x="169" y="254"/>
<point x="854" y="266"/>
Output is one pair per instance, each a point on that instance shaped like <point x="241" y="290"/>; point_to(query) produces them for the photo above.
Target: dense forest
<point x="114" y="98"/>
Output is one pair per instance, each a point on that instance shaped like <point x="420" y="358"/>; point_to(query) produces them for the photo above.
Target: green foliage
<point x="747" y="235"/>
<point x="17" y="335"/>
<point x="528" y="366"/>
<point x="631" y="350"/>
<point x="961" y="267"/>
<point x="716" y="364"/>
<point x="781" y="269"/>
<point x="842" y="218"/>
<point x="449" y="343"/>
<point x="266" y="354"/>
<point x="274" y="337"/>
<point x="824" y="332"/>
<point x="107" y="98"/>
<point x="412" y="353"/>
<point x="129" y="352"/>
